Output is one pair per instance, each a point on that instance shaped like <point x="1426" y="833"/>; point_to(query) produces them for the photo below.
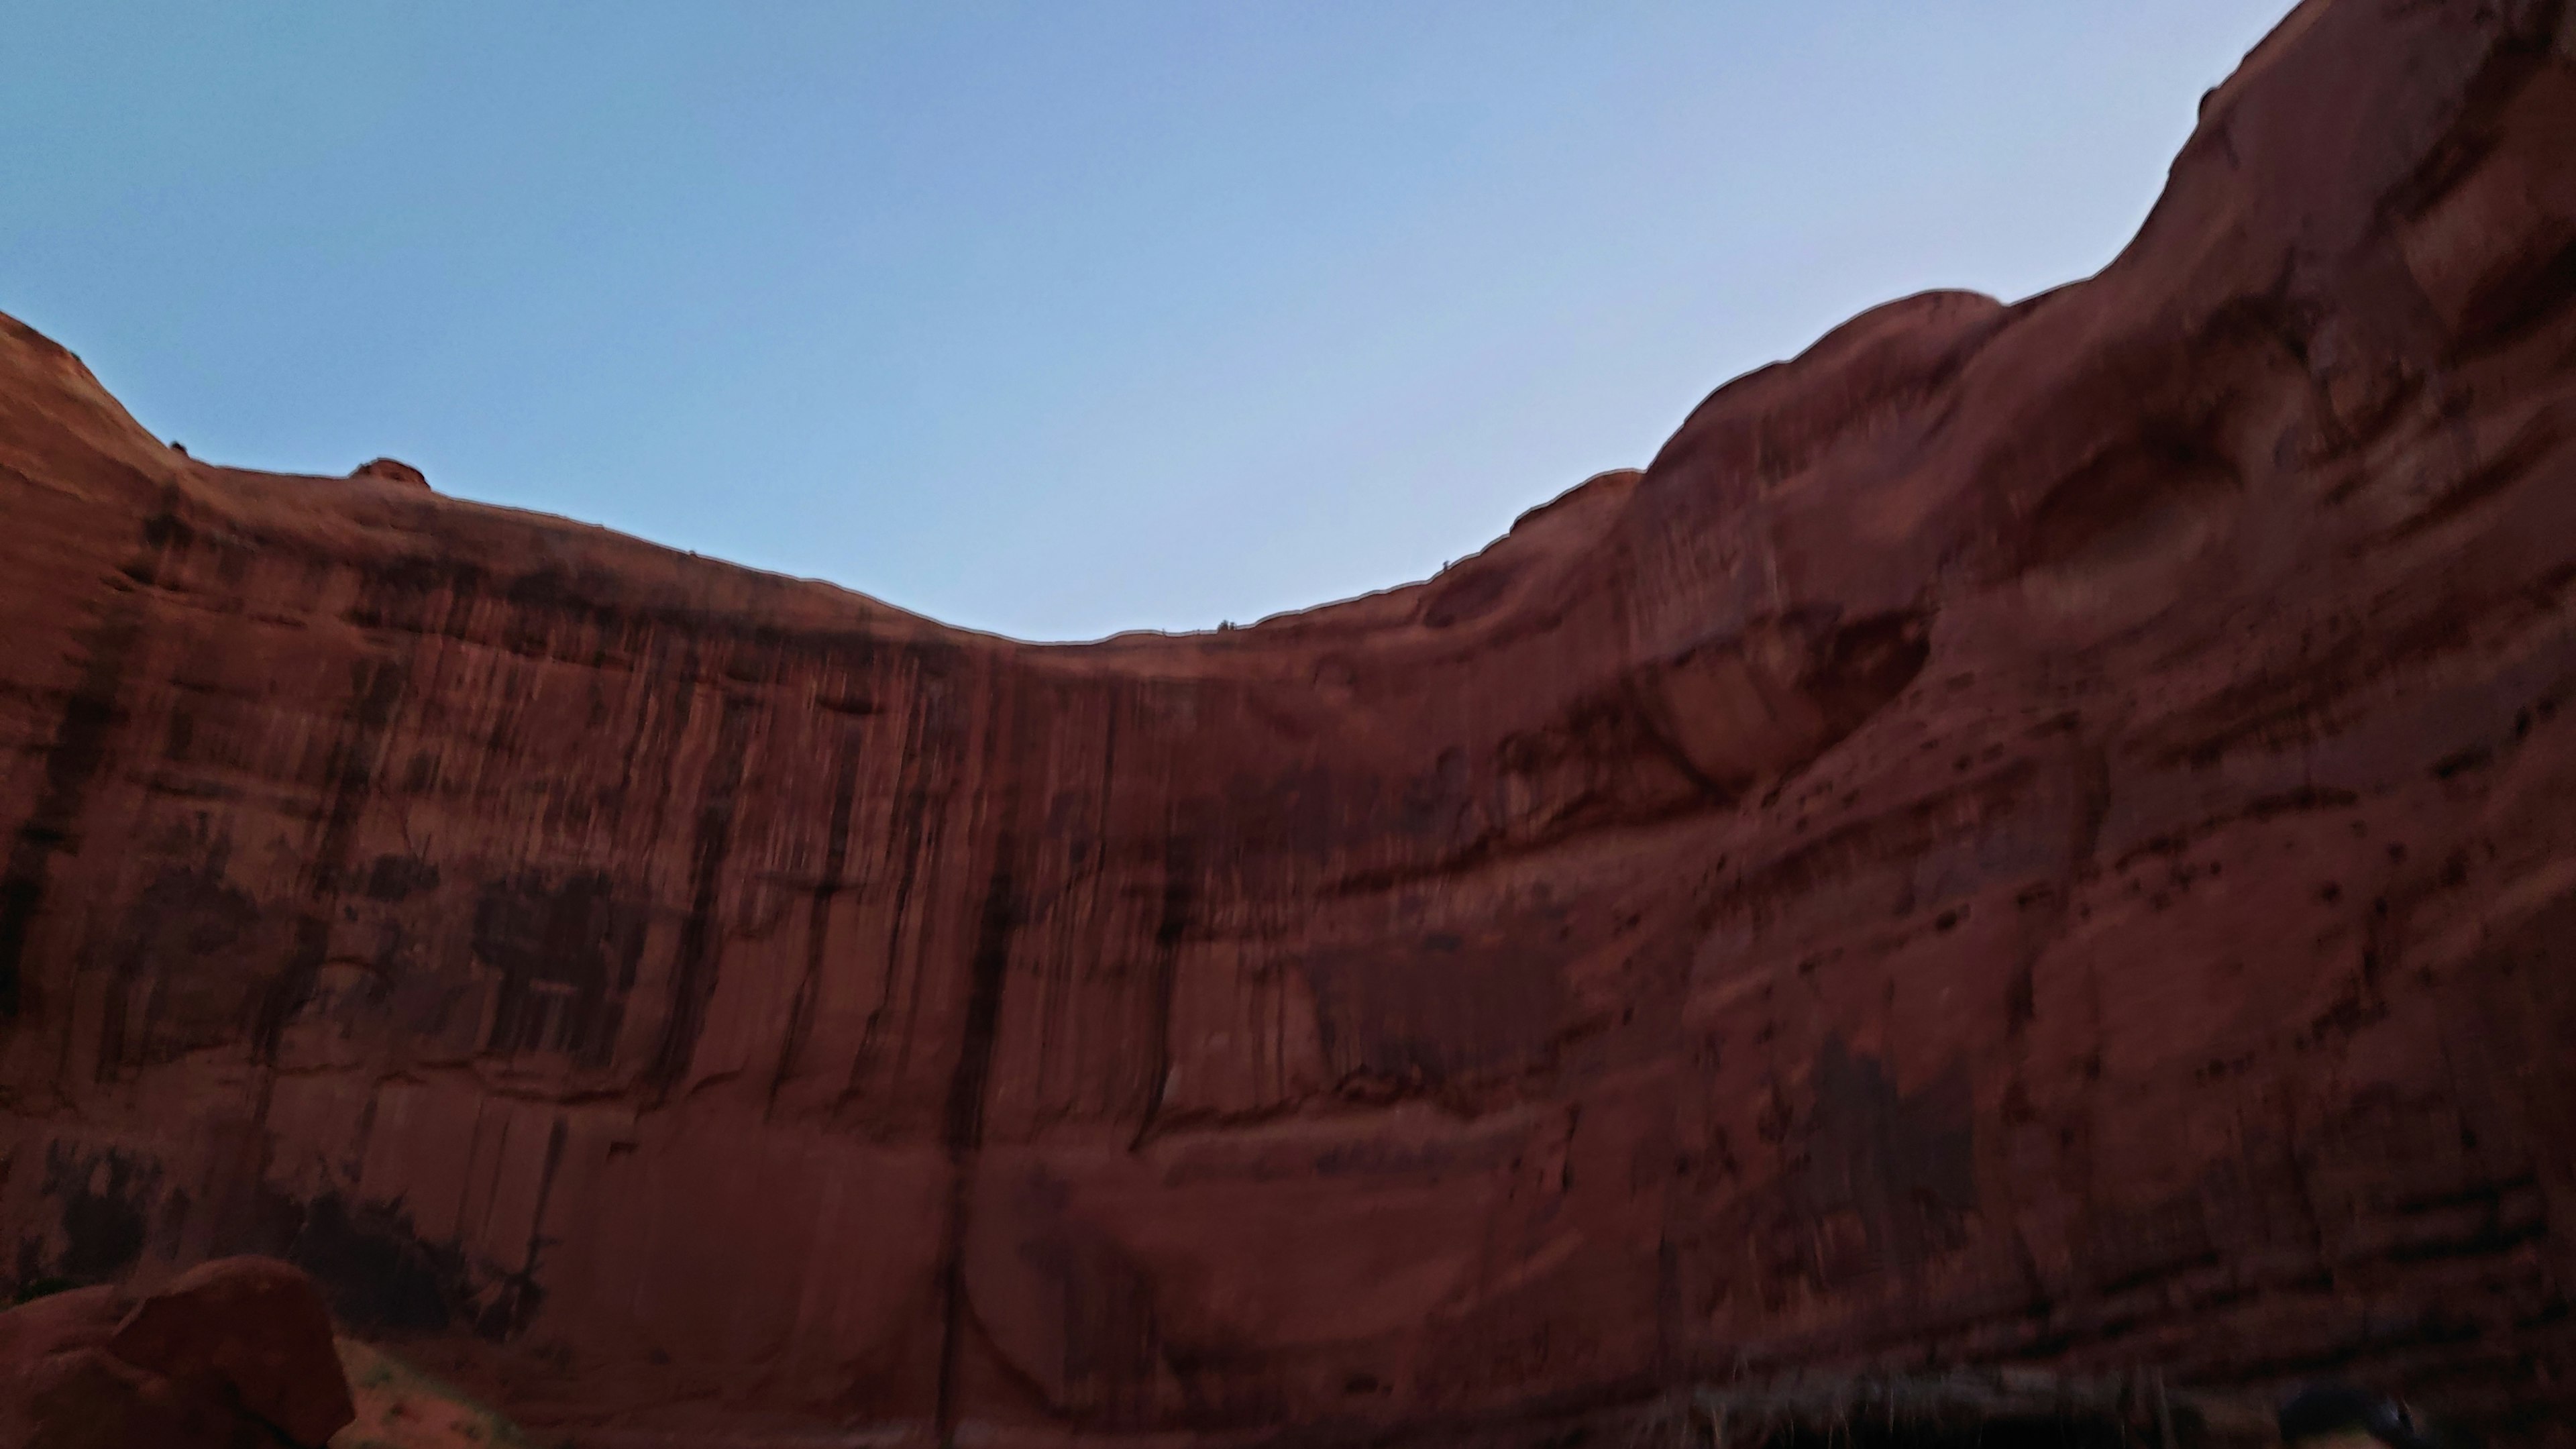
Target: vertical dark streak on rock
<point x="379" y="688"/>
<point x="2091" y="770"/>
<point x="1180" y="902"/>
<point x="693" y="980"/>
<point x="818" y="910"/>
<point x="911" y="799"/>
<point x="483" y="1110"/>
<point x="962" y="1127"/>
<point x="356" y="1164"/>
<point x="2092" y="811"/>
<point x="921" y="840"/>
<point x="640" y="754"/>
<point x="508" y="1312"/>
<point x="1106" y="817"/>
<point x="73" y="756"/>
<point x="72" y="760"/>
<point x="674" y="733"/>
<point x="545" y="1190"/>
<point x="962" y="1124"/>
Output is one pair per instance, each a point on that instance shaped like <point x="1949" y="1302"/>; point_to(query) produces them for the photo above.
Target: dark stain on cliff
<point x="927" y="766"/>
<point x="506" y="1306"/>
<point x="693" y="973"/>
<point x="818" y="908"/>
<point x="105" y="1203"/>
<point x="962" y="1128"/>
<point x="191" y="925"/>
<point x="1171" y="927"/>
<point x="72" y="760"/>
<point x="591" y="616"/>
<point x="1418" y="1014"/>
<point x="1882" y="1181"/>
<point x="963" y="1124"/>
<point x="396" y="878"/>
<point x="379" y="1275"/>
<point x="566" y="951"/>
<point x="79" y="745"/>
<point x="1112" y="1338"/>
<point x="377" y="687"/>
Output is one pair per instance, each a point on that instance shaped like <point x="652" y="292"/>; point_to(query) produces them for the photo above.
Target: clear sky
<point x="1052" y="318"/>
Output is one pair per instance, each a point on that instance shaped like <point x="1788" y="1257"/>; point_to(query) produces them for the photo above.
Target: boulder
<point x="232" y="1354"/>
<point x="391" y="470"/>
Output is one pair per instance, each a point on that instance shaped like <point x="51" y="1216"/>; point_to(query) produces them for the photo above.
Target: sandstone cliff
<point x="2030" y="833"/>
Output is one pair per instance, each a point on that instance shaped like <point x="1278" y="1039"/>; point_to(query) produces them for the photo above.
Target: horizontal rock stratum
<point x="2038" y="833"/>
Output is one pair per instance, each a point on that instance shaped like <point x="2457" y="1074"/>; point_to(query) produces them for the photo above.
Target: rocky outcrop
<point x="234" y="1354"/>
<point x="392" y="470"/>
<point x="2030" y="834"/>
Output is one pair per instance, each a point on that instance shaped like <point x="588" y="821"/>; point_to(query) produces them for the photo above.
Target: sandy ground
<point x="399" y="1407"/>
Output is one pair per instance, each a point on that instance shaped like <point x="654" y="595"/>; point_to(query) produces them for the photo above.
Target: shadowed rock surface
<point x="2034" y="834"/>
<point x="233" y="1354"/>
<point x="398" y="1407"/>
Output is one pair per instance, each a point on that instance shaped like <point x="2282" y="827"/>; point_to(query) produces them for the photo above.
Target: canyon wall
<point x="2039" y="833"/>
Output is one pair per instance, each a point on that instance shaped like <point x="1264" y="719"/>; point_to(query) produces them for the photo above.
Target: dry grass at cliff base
<point x="2003" y="1409"/>
<point x="399" y="1407"/>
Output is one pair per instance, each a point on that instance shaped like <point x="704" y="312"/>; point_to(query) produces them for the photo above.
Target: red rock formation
<point x="2031" y="833"/>
<point x="392" y="470"/>
<point x="236" y="1354"/>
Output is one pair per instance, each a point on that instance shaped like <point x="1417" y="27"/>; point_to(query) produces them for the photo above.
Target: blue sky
<point x="1053" y="318"/>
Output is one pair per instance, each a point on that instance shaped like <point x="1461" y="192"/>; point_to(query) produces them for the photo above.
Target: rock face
<point x="236" y="1354"/>
<point x="2035" y="833"/>
<point x="392" y="470"/>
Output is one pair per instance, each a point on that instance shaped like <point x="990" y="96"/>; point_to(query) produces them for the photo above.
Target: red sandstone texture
<point x="235" y="1354"/>
<point x="2037" y="833"/>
